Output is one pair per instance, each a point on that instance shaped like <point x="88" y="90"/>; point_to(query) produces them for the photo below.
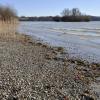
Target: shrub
<point x="7" y="13"/>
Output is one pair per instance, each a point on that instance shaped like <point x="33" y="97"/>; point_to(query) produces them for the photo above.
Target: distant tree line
<point x="95" y="18"/>
<point x="42" y="18"/>
<point x="7" y="13"/>
<point x="67" y="15"/>
<point x="73" y="15"/>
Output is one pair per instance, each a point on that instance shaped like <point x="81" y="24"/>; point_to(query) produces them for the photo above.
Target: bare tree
<point x="73" y="15"/>
<point x="76" y="12"/>
<point x="65" y="12"/>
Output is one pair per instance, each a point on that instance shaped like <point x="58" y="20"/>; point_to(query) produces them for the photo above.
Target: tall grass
<point x="8" y="21"/>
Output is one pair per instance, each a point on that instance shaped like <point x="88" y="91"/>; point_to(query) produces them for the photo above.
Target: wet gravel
<point x="30" y="70"/>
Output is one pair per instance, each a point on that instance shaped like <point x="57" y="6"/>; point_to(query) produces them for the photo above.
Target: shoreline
<point x="55" y="76"/>
<point x="77" y="46"/>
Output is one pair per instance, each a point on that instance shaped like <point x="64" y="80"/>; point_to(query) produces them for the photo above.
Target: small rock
<point x="86" y="96"/>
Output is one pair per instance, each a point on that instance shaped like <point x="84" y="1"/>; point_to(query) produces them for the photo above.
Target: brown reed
<point x="8" y="28"/>
<point x="8" y="21"/>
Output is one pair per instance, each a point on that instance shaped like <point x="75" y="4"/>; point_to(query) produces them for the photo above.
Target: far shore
<point x="32" y="70"/>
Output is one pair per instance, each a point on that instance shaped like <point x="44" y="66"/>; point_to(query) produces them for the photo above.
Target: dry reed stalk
<point x="8" y="28"/>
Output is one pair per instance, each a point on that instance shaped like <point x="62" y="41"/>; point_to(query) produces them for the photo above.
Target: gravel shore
<point x="30" y="70"/>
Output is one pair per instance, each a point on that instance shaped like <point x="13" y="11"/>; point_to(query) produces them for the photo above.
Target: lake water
<point x="80" y="39"/>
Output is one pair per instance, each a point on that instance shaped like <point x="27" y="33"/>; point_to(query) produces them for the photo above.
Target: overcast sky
<point x="52" y="7"/>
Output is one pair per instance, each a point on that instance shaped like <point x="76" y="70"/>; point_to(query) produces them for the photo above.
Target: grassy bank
<point x="30" y="70"/>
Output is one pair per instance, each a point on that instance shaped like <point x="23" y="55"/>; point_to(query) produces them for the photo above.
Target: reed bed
<point x="8" y="28"/>
<point x="8" y="21"/>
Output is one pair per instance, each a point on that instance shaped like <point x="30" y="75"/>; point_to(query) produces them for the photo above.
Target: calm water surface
<point x="81" y="39"/>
